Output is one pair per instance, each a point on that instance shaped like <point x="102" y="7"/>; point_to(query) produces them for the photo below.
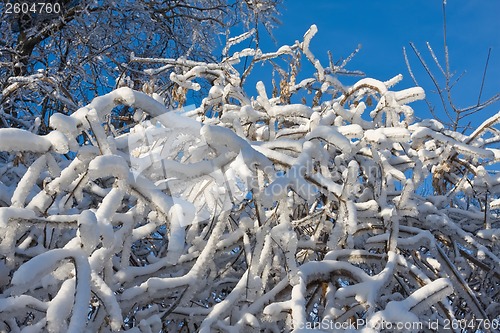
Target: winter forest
<point x="160" y="172"/>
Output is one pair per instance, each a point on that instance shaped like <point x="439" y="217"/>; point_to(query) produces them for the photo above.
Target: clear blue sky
<point x="384" y="27"/>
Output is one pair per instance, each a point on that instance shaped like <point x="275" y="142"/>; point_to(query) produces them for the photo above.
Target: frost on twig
<point x="248" y="213"/>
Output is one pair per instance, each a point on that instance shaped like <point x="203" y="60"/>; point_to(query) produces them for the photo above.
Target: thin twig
<point x="349" y="58"/>
<point x="433" y="78"/>
<point x="484" y="76"/>
<point x="434" y="57"/>
<point x="174" y="305"/>
<point x="410" y="71"/>
<point x="445" y="42"/>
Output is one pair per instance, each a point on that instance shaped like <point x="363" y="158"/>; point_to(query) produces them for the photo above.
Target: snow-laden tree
<point x="57" y="58"/>
<point x="249" y="213"/>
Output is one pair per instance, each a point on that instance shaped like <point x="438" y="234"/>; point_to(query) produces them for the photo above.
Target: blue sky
<point x="384" y="27"/>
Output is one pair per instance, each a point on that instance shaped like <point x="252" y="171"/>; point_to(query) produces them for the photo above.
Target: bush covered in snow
<point x="248" y="213"/>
